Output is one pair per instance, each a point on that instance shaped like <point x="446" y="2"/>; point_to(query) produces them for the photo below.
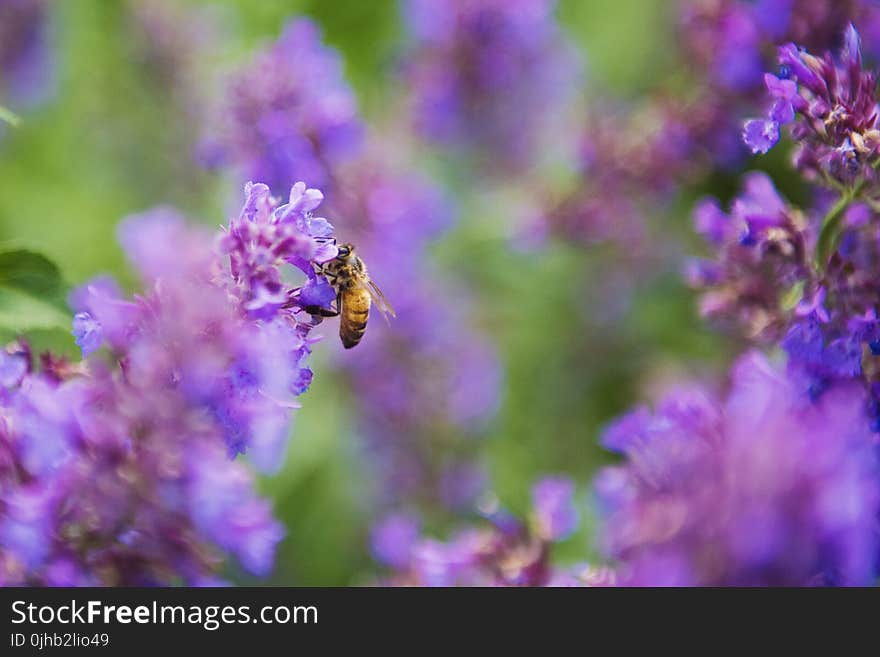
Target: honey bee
<point x="355" y="293"/>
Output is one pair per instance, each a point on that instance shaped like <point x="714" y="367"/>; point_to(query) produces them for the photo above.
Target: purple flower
<point x="502" y="551"/>
<point x="45" y="421"/>
<point x="25" y="527"/>
<point x="13" y="367"/>
<point x="761" y="134"/>
<point x="642" y="154"/>
<point x="102" y="314"/>
<point x="804" y="342"/>
<point x="289" y="115"/>
<point x="785" y="94"/>
<point x="393" y="539"/>
<point x="738" y="59"/>
<point x="762" y="255"/>
<point x="125" y="476"/>
<point x="26" y="71"/>
<point x="264" y="238"/>
<point x="814" y="306"/>
<point x="833" y="103"/>
<point x="292" y="115"/>
<point x="724" y="44"/>
<point x="317" y="292"/>
<point x="226" y="509"/>
<point x="762" y="487"/>
<point x="774" y="16"/>
<point x="87" y="332"/>
<point x="555" y="513"/>
<point x="806" y="277"/>
<point x="487" y="76"/>
<point x="710" y="221"/>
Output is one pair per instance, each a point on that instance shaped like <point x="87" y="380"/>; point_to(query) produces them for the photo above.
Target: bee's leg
<point x="311" y="310"/>
<point x="320" y="312"/>
<point x="324" y="312"/>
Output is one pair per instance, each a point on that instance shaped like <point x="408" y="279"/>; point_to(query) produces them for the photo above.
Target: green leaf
<point x="58" y="339"/>
<point x="21" y="312"/>
<point x="32" y="292"/>
<point x="30" y="272"/>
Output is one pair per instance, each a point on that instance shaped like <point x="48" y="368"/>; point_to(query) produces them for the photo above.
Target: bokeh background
<point x="581" y="331"/>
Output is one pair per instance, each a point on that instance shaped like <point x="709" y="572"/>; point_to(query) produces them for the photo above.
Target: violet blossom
<point x="487" y="77"/>
<point x="26" y="67"/>
<point x="121" y="471"/>
<point x="806" y="278"/>
<point x="832" y="105"/>
<point x="501" y="551"/>
<point x="760" y="487"/>
<point x="763" y="249"/>
<point x="288" y="115"/>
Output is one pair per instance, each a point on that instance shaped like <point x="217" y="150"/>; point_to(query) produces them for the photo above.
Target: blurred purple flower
<point x="225" y="508"/>
<point x="762" y="251"/>
<point x="26" y="67"/>
<point x="25" y="527"/>
<point x="761" y="488"/>
<point x="88" y="333"/>
<point x="503" y="551"/>
<point x="393" y="538"/>
<point x="555" y="512"/>
<point x="13" y="367"/>
<point x="487" y="76"/>
<point x="124" y="476"/>
<point x="738" y="60"/>
<point x="289" y="115"/>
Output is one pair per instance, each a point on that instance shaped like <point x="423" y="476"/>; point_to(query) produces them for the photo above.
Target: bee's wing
<point x="380" y="301"/>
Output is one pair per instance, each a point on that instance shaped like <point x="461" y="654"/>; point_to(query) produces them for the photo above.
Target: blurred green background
<point x="111" y="142"/>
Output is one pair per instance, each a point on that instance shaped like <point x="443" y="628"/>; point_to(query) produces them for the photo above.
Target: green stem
<point x="829" y="235"/>
<point x="9" y="116"/>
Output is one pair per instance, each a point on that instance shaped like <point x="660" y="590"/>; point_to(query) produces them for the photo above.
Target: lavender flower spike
<point x="26" y="70"/>
<point x="486" y="76"/>
<point x="503" y="551"/>
<point x="289" y="115"/>
<point x="760" y="488"/>
<point x="126" y="476"/>
<point x="832" y="104"/>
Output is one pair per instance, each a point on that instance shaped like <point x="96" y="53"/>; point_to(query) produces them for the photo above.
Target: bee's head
<point x="346" y="251"/>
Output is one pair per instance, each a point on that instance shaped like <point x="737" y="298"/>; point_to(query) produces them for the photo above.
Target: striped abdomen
<point x="353" y="315"/>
